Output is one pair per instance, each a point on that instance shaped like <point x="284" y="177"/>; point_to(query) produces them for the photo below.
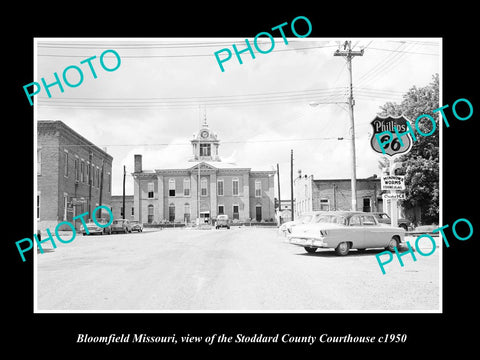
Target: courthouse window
<point x="171" y="187"/>
<point x="203" y="186"/>
<point x="150" y="190"/>
<point x="220" y="187"/>
<point x="258" y="188"/>
<point x="186" y="187"/>
<point x="205" y="150"/>
<point x="235" y="187"/>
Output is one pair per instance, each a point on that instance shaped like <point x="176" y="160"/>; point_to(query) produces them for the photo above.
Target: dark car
<point x="383" y="218"/>
<point x="222" y="221"/>
<point x="93" y="228"/>
<point x="121" y="225"/>
<point x="136" y="226"/>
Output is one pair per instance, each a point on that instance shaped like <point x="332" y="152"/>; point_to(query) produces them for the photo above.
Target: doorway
<point x="258" y="213"/>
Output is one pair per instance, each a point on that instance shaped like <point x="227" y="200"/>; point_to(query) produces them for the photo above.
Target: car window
<point x="383" y="216"/>
<point x="355" y="220"/>
<point x="305" y="219"/>
<point x="368" y="220"/>
<point x="339" y="220"/>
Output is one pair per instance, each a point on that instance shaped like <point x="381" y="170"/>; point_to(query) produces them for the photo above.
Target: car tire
<point x="392" y="244"/>
<point x="342" y="249"/>
<point x="309" y="249"/>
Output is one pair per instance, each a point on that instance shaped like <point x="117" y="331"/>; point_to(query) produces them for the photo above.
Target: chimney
<point x="138" y="163"/>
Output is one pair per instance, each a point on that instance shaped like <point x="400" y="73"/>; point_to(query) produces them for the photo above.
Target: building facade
<point x="202" y="188"/>
<point x="73" y="175"/>
<point x="336" y="194"/>
<point x="117" y="207"/>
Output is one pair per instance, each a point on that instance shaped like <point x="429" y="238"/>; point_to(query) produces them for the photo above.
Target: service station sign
<point x="390" y="123"/>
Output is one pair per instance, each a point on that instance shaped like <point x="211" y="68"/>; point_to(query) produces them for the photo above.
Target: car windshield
<point x="332" y="219"/>
<point x="305" y="219"/>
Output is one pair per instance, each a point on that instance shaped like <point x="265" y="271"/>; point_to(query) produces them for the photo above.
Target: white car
<point x="345" y="230"/>
<point x="305" y="218"/>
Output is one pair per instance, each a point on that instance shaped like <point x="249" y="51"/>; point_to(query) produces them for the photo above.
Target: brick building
<point x="117" y="207"/>
<point x="202" y="187"/>
<point x="69" y="175"/>
<point x="336" y="194"/>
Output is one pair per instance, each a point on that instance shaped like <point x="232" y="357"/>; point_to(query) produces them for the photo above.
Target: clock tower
<point x="205" y="144"/>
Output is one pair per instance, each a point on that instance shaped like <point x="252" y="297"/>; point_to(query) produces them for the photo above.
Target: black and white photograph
<point x="233" y="186"/>
<point x="230" y="180"/>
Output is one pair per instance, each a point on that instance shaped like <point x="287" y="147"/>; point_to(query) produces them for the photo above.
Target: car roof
<point x="345" y="213"/>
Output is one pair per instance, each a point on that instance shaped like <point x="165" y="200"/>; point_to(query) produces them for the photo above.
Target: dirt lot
<point x="241" y="269"/>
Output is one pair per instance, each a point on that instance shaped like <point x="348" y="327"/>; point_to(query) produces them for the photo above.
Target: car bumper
<point x="93" y="231"/>
<point x="305" y="241"/>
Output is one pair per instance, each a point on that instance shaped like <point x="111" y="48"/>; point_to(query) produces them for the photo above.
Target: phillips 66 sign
<point x="388" y="125"/>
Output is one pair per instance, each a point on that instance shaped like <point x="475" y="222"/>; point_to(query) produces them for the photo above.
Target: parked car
<point x="93" y="228"/>
<point x="222" y="221"/>
<point x="121" y="225"/>
<point x="305" y="218"/>
<point x="345" y="230"/>
<point x="136" y="226"/>
<point x="383" y="218"/>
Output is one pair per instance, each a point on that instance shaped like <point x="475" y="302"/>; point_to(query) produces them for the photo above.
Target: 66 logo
<point x="388" y="124"/>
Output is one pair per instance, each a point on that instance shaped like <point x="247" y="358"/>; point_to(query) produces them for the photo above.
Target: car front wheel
<point x="342" y="249"/>
<point x="309" y="249"/>
<point x="392" y="244"/>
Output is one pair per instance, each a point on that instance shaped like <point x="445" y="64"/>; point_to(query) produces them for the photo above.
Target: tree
<point x="421" y="165"/>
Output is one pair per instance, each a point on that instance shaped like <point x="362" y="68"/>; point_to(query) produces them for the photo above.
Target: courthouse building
<point x="69" y="175"/>
<point x="202" y="187"/>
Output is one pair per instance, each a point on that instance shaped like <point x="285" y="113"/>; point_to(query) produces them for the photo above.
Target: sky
<point x="261" y="109"/>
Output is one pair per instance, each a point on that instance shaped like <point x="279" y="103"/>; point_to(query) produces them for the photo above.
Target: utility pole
<point x="101" y="189"/>
<point x="124" y="174"/>
<point x="90" y="175"/>
<point x="279" y="199"/>
<point x="291" y="185"/>
<point x="348" y="54"/>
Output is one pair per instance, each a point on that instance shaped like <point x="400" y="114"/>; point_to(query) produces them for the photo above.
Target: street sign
<point x="393" y="182"/>
<point x="390" y="196"/>
<point x="389" y="123"/>
<point x="79" y="201"/>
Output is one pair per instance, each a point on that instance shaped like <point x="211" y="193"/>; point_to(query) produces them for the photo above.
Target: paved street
<point x="226" y="270"/>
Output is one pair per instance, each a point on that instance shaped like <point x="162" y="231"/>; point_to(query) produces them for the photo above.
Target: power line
<point x="174" y="56"/>
<point x="189" y="145"/>
<point x="405" y="52"/>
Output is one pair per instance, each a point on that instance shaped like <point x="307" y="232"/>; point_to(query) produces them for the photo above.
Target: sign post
<point x="392" y="183"/>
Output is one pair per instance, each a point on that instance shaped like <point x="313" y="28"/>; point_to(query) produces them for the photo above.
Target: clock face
<point x="204" y="134"/>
